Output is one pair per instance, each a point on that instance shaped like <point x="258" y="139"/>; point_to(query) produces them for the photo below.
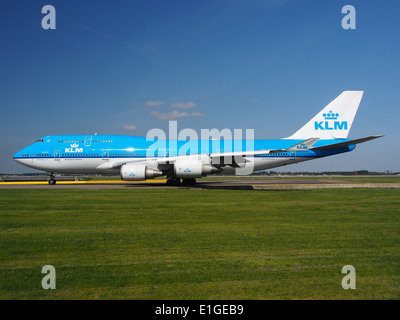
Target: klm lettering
<point x="325" y="125"/>
<point x="302" y="146"/>
<point x="74" y="150"/>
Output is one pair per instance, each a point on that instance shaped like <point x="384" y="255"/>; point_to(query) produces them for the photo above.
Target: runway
<point x="230" y="184"/>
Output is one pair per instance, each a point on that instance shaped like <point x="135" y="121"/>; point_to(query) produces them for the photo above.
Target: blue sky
<point x="124" y="67"/>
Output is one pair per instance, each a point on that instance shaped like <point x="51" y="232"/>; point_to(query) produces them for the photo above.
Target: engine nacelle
<point x="134" y="172"/>
<point x="192" y="168"/>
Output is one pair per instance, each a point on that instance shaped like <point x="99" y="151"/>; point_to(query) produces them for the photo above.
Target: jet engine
<point x="134" y="172"/>
<point x="185" y="168"/>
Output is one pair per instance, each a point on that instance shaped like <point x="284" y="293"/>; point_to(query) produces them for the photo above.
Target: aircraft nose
<point x="17" y="157"/>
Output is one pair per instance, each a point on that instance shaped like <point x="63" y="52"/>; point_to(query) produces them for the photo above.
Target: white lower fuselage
<point x="109" y="165"/>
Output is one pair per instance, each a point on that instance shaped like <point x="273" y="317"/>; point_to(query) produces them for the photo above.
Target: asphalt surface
<point x="234" y="184"/>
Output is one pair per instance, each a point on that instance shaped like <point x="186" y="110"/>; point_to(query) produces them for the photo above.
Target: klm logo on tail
<point x="330" y="125"/>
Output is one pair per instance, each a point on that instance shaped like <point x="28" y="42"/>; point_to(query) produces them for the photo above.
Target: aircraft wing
<point x="346" y="143"/>
<point x="234" y="158"/>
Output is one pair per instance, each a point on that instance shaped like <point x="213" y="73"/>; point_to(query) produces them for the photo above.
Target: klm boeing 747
<point x="137" y="158"/>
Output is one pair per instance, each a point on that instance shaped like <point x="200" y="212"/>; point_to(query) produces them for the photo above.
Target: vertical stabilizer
<point x="335" y="120"/>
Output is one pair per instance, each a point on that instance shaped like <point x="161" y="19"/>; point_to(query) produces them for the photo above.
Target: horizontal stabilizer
<point x="346" y="143"/>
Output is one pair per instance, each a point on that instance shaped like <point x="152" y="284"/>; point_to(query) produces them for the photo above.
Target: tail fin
<point x="334" y="121"/>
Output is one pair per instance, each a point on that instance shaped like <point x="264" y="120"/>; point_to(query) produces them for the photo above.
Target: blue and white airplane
<point x="135" y="160"/>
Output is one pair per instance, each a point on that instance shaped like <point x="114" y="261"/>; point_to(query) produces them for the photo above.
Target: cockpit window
<point x="39" y="140"/>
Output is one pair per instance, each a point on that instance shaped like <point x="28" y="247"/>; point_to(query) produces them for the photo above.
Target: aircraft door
<point x="293" y="155"/>
<point x="57" y="154"/>
<point x="104" y="154"/>
<point x="88" y="141"/>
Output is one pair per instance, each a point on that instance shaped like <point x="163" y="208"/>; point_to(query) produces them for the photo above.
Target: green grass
<point x="357" y="179"/>
<point x="200" y="244"/>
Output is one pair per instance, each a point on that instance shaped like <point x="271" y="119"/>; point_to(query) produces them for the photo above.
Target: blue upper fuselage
<point x="118" y="146"/>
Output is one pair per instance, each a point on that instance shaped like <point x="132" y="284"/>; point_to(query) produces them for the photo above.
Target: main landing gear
<point x="177" y="182"/>
<point x="52" y="179"/>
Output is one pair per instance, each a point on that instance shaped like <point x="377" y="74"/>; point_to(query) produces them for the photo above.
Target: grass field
<point x="200" y="244"/>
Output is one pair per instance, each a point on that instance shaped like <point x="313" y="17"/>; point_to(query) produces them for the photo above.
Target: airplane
<point x="134" y="159"/>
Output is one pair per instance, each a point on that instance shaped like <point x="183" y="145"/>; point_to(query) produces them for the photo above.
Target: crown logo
<point x="74" y="145"/>
<point x="331" y="115"/>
